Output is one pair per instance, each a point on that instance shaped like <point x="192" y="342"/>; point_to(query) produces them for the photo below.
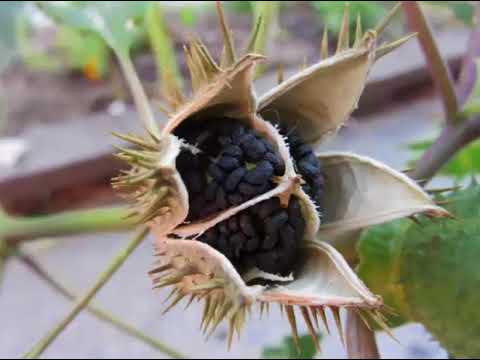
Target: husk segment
<point x="363" y="192"/>
<point x="196" y="271"/>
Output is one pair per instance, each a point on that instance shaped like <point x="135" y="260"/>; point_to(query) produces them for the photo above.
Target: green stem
<point x="101" y="314"/>
<point x="141" y="101"/>
<point x="119" y="260"/>
<point x="16" y="229"/>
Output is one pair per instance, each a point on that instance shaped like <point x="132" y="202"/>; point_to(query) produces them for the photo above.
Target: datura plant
<point x="243" y="211"/>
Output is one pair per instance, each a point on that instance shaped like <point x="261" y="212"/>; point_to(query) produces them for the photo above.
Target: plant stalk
<point x="452" y="139"/>
<point x="18" y="229"/>
<point x="439" y="70"/>
<point x="119" y="260"/>
<point x="101" y="314"/>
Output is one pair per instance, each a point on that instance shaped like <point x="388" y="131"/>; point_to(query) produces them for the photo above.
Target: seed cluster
<point x="266" y="236"/>
<point x="234" y="165"/>
<point x="308" y="166"/>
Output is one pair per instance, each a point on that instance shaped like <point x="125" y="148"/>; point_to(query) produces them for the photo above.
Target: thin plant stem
<point x="101" y="314"/>
<point x="82" y="302"/>
<point x="141" y="101"/>
<point x="18" y="229"/>
<point x="439" y="70"/>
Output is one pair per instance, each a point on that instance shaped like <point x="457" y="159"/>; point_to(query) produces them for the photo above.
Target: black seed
<point x="267" y="145"/>
<point x="233" y="224"/>
<point x="252" y="190"/>
<point x="244" y="139"/>
<point x="302" y="150"/>
<point x="307" y="169"/>
<point x="235" y="199"/>
<point x="234" y="178"/>
<point x="270" y="240"/>
<point x="233" y="150"/>
<point x="221" y="199"/>
<point x="224" y="140"/>
<point x="252" y="244"/>
<point x="267" y="207"/>
<point x="277" y="163"/>
<point x="275" y="222"/>
<point x="254" y="149"/>
<point x="261" y="174"/>
<point x="237" y="242"/>
<point x="211" y="191"/>
<point x="208" y="210"/>
<point x="228" y="163"/>
<point x="216" y="172"/>
<point x="246" y="225"/>
<point x="287" y="237"/>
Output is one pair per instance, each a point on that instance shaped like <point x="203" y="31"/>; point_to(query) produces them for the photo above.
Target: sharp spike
<point x="311" y="330"/>
<point x="160" y="269"/>
<point x="240" y="320"/>
<point x="206" y="310"/>
<point x="231" y="331"/>
<point x="358" y="31"/>
<point x="136" y="141"/>
<point x="364" y="319"/>
<point x="338" y="322"/>
<point x="388" y="48"/>
<point x="262" y="309"/>
<point x="172" y="293"/>
<point x="321" y="311"/>
<point x="211" y="313"/>
<point x="314" y="314"/>
<point x="281" y="310"/>
<point x="190" y="301"/>
<point x="293" y="325"/>
<point x="221" y="314"/>
<point x="177" y="299"/>
<point x="383" y="24"/>
<point x="209" y="285"/>
<point x="324" y="47"/>
<point x="252" y="43"/>
<point x="227" y="38"/>
<point x="378" y="317"/>
<point x="344" y="35"/>
<point x="280" y="73"/>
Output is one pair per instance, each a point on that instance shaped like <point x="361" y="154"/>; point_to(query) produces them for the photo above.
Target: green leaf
<point x="331" y="13"/>
<point x="84" y="50"/>
<point x="288" y="350"/>
<point x="379" y="250"/>
<point x="465" y="163"/>
<point x="118" y="22"/>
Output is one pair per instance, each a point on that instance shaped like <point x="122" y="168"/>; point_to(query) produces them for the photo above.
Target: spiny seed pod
<point x="235" y="195"/>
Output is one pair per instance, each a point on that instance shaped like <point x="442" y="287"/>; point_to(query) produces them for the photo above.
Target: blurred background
<point x="62" y="94"/>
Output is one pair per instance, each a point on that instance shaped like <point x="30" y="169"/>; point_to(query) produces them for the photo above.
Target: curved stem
<point x="119" y="260"/>
<point x="453" y="138"/>
<point x="101" y="314"/>
<point x="17" y="229"/>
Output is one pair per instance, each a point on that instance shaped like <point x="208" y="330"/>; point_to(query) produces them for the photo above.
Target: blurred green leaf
<point x="118" y="22"/>
<point x="8" y="17"/>
<point x="85" y="51"/>
<point x="463" y="10"/>
<point x="331" y="13"/>
<point x="379" y="250"/>
<point x="188" y="15"/>
<point x="465" y="163"/>
<point x="287" y="349"/>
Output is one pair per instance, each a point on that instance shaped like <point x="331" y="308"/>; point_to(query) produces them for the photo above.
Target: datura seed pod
<point x="242" y="208"/>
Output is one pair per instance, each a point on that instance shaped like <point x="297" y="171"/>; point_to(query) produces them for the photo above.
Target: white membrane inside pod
<point x="362" y="192"/>
<point x="319" y="99"/>
<point x="324" y="279"/>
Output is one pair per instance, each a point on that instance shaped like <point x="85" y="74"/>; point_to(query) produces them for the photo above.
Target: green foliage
<point x="463" y="10"/>
<point x="118" y="22"/>
<point x="465" y="162"/>
<point x="379" y="251"/>
<point x="331" y="13"/>
<point x="288" y="350"/>
<point x="428" y="271"/>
